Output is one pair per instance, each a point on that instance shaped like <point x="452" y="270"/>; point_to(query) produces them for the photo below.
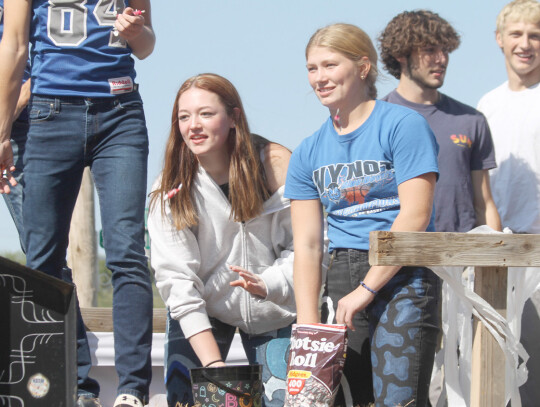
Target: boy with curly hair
<point x="415" y="48"/>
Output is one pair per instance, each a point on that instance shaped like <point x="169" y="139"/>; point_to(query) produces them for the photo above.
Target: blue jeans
<point x="109" y="135"/>
<point x="15" y="198"/>
<point x="390" y="354"/>
<point x="270" y="349"/>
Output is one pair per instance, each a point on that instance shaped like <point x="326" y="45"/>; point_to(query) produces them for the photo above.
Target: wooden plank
<point x="488" y="362"/>
<point x="82" y="249"/>
<point x="453" y="249"/>
<point x="100" y="319"/>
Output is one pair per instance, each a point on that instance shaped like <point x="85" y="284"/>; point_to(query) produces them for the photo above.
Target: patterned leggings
<point x="390" y="355"/>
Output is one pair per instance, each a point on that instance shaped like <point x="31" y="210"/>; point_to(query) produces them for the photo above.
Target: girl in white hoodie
<point x="221" y="238"/>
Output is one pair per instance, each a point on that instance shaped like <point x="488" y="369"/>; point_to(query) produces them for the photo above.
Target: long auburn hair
<point x="247" y="184"/>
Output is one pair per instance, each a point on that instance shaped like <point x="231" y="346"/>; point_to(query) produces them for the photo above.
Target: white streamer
<point x="460" y="302"/>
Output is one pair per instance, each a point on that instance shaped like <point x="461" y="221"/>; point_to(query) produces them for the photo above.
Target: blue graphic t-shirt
<point x="356" y="175"/>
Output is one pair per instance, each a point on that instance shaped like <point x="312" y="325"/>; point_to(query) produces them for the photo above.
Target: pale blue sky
<point x="259" y="46"/>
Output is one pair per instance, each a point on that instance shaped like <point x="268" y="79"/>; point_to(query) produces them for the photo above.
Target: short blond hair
<point x="350" y="41"/>
<point x="519" y="10"/>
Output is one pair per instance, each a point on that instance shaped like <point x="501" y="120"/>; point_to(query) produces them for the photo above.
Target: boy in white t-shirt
<point x="512" y="113"/>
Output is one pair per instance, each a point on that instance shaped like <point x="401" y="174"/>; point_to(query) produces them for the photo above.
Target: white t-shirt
<point x="514" y="119"/>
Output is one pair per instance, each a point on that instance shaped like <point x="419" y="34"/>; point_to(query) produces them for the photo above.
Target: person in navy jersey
<point x="85" y="110"/>
<point x="13" y="196"/>
<point x="372" y="165"/>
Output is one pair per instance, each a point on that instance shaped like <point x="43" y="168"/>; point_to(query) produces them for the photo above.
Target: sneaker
<point x="127" y="400"/>
<point x="88" y="401"/>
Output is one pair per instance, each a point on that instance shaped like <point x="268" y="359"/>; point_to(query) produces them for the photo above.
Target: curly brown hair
<point x="411" y="30"/>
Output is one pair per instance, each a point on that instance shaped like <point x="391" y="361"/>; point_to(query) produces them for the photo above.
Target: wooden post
<point x="82" y="249"/>
<point x="488" y="361"/>
<point x="490" y="254"/>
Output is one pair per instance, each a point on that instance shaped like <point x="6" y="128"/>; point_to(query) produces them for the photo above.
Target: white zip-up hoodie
<point x="191" y="265"/>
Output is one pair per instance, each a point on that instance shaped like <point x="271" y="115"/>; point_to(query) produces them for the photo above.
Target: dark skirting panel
<point x="38" y="366"/>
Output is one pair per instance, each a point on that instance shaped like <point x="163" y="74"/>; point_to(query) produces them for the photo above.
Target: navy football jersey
<point x="76" y="51"/>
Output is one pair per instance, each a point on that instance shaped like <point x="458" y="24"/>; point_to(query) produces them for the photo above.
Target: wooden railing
<point x="491" y="255"/>
<point x="100" y="319"/>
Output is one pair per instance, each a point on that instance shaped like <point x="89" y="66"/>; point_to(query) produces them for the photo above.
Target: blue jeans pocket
<point x="41" y="112"/>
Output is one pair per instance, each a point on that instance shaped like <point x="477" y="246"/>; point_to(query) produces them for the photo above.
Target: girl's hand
<point x="129" y="24"/>
<point x="6" y="167"/>
<point x="250" y="282"/>
<point x="352" y="303"/>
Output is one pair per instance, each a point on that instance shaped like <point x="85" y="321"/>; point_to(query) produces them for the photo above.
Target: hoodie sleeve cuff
<point x="277" y="286"/>
<point x="194" y="322"/>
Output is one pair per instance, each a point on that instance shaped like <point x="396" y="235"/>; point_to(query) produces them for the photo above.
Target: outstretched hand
<point x="250" y="282"/>
<point x="129" y="24"/>
<point x="6" y="167"/>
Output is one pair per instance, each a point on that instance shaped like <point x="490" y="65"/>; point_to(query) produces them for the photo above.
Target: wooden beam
<point x="82" y="249"/>
<point x="100" y="319"/>
<point x="453" y="249"/>
<point x="488" y="361"/>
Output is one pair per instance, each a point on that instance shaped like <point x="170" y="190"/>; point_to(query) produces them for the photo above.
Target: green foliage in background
<point x="104" y="295"/>
<point x="16" y="256"/>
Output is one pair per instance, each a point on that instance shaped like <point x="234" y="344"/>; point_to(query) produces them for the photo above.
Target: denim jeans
<point x="109" y="135"/>
<point x="15" y="198"/>
<point x="270" y="349"/>
<point x="390" y="354"/>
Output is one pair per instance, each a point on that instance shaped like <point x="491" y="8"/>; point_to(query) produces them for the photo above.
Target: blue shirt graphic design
<point x="358" y="188"/>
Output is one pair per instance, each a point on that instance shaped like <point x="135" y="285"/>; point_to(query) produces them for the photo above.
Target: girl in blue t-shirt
<point x="372" y="166"/>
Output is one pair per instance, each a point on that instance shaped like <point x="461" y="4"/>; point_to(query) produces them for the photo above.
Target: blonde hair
<point x="352" y="42"/>
<point x="247" y="183"/>
<point x="519" y="10"/>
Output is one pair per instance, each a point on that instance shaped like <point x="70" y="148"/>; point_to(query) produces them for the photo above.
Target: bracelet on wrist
<point x="372" y="291"/>
<point x="212" y="362"/>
